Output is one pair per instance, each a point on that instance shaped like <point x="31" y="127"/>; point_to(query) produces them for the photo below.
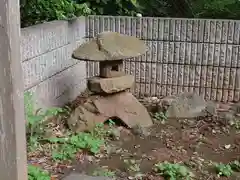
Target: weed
<point x="91" y="142"/>
<point x="71" y="145"/>
<point x="133" y="168"/>
<point x="173" y="171"/>
<point x="160" y="117"/>
<point x="66" y="147"/>
<point x="223" y="169"/>
<point x="132" y="165"/>
<point x="100" y="132"/>
<point x="103" y="172"/>
<point x="64" y="152"/>
<point x="235" y="165"/>
<point x="87" y="141"/>
<point x="235" y="123"/>
<point x="33" y="143"/>
<point x="35" y="119"/>
<point x="35" y="173"/>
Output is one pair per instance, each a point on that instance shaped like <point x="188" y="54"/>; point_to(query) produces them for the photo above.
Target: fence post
<point x="13" y="164"/>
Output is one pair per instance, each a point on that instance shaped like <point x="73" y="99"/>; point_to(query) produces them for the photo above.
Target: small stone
<point x="141" y="131"/>
<point x="153" y="100"/>
<point x="118" y="151"/>
<point x="89" y="158"/>
<point x="236" y="108"/>
<point x="115" y="134"/>
<point x="137" y="146"/>
<point x="223" y="107"/>
<point x="227" y="146"/>
<point x="167" y="101"/>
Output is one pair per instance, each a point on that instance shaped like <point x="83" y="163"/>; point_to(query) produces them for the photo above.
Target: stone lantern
<point x="110" y="49"/>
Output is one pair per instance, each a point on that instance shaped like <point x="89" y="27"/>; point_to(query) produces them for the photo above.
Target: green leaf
<point x="35" y="173"/>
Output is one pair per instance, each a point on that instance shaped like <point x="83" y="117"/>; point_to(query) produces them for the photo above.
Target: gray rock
<point x="167" y="101"/>
<point x="78" y="176"/>
<point x="236" y="108"/>
<point x="211" y="108"/>
<point x="141" y="131"/>
<point x="186" y="105"/>
<point x="227" y="117"/>
<point x="110" y="85"/>
<point x="115" y="133"/>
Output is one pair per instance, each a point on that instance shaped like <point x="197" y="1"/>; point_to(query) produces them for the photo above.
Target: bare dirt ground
<point x="176" y="142"/>
<point x="195" y="143"/>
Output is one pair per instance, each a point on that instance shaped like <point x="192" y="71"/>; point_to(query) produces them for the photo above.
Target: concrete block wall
<point x="191" y="55"/>
<point x="48" y="69"/>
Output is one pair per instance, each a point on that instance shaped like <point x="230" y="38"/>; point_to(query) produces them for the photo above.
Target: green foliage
<point x="36" y="117"/>
<point x="173" y="171"/>
<point x="38" y="11"/>
<point x="111" y="7"/>
<point x="35" y="121"/>
<point x="35" y="173"/>
<point x="100" y="132"/>
<point x="67" y="147"/>
<point x="227" y="169"/>
<point x="160" y="117"/>
<point x="88" y="141"/>
<point x="221" y="9"/>
<point x="72" y="145"/>
<point x="224" y="169"/>
<point x="153" y="8"/>
<point x="235" y="123"/>
<point x="235" y="165"/>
